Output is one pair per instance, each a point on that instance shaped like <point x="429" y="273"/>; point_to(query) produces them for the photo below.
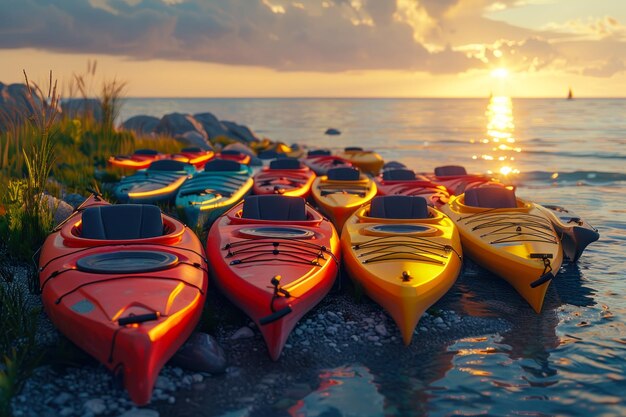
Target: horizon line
<point x="365" y="98"/>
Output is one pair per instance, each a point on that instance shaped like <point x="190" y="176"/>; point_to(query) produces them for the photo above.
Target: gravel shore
<point x="340" y="330"/>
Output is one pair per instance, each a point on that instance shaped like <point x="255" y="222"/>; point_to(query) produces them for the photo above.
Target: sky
<point x="322" y="48"/>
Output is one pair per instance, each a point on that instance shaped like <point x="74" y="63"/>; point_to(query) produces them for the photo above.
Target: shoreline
<point x="340" y="331"/>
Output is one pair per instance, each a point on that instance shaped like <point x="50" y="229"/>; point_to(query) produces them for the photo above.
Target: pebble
<point x="95" y="406"/>
<point x="381" y="330"/>
<point x="140" y="412"/>
<point x="243" y="333"/>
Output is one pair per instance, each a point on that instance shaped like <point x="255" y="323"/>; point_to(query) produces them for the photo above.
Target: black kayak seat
<point x="394" y="165"/>
<point x="353" y="149"/>
<point x="318" y="152"/>
<point x="121" y="222"/>
<point x="450" y="170"/>
<point x="168" y="165"/>
<point x="400" y="174"/>
<point x="274" y="207"/>
<point x="192" y="149"/>
<point x="271" y="154"/>
<point x="231" y="152"/>
<point x="399" y="207"/>
<point x="344" y="174"/>
<point x="285" y="163"/>
<point x="146" y="152"/>
<point x="490" y="197"/>
<point x="222" y="165"/>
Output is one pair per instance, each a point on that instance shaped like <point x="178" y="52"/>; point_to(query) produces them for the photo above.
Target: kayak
<point x="403" y="181"/>
<point x="275" y="258"/>
<point x="234" y="155"/>
<point x="287" y="176"/>
<point x="209" y="193"/>
<point x="194" y="156"/>
<point x="127" y="285"/>
<point x="140" y="159"/>
<point x="160" y="182"/>
<point x="405" y="255"/>
<point x="341" y="193"/>
<point x="368" y="161"/>
<point x="456" y="179"/>
<point x="320" y="161"/>
<point x="576" y="233"/>
<point x="511" y="237"/>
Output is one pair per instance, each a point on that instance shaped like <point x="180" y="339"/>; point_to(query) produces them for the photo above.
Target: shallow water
<point x="568" y="360"/>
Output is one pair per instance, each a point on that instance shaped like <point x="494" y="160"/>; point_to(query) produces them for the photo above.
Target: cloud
<point x="436" y="36"/>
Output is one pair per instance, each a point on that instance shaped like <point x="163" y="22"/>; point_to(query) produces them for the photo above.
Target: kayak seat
<point x="231" y="152"/>
<point x="285" y="163"/>
<point x="318" y="152"/>
<point x="394" y="165"/>
<point x="490" y="197"/>
<point x="450" y="170"/>
<point x="167" y="165"/>
<point x="192" y="149"/>
<point x="121" y="222"/>
<point x="400" y="174"/>
<point x="399" y="207"/>
<point x="353" y="149"/>
<point x="222" y="165"/>
<point x="343" y="174"/>
<point x="274" y="207"/>
<point x="271" y="154"/>
<point x="145" y="152"/>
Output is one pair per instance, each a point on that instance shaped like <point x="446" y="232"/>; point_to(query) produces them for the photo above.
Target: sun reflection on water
<point x="499" y="145"/>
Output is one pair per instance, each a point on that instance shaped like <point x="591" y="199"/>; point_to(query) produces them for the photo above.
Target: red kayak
<point x="140" y="159"/>
<point x="275" y="258"/>
<point x="320" y="161"/>
<point x="403" y="181"/>
<point x="194" y="156"/>
<point x="234" y="155"/>
<point x="125" y="283"/>
<point x="286" y="176"/>
<point x="456" y="179"/>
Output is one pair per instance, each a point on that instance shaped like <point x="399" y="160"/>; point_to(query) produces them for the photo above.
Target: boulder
<point x="332" y="131"/>
<point x="175" y="124"/>
<point x="142" y="124"/>
<point x="243" y="148"/>
<point x="60" y="209"/>
<point x="240" y="132"/>
<point x="14" y="104"/>
<point x="201" y="353"/>
<point x="80" y="107"/>
<point x="212" y="126"/>
<point x="195" y="139"/>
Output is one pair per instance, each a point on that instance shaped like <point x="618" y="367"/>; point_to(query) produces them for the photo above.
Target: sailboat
<point x="570" y="95"/>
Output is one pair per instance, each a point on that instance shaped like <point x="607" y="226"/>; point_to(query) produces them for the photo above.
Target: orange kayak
<point x="140" y="159"/>
<point x="368" y="161"/>
<point x="194" y="156"/>
<point x="403" y="181"/>
<point x="456" y="179"/>
<point x="275" y="258"/>
<point x="286" y="176"/>
<point x="126" y="284"/>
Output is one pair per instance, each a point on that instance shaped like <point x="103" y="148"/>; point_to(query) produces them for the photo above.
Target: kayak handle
<point x="275" y="316"/>
<point x="138" y="318"/>
<point x="542" y="279"/>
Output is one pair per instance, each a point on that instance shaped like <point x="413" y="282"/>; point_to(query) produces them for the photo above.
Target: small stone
<point x="67" y="411"/>
<point x="438" y="320"/>
<point x="95" y="406"/>
<point x="178" y="372"/>
<point x="140" y="412"/>
<point x="381" y="330"/>
<point x="373" y="338"/>
<point x="197" y="378"/>
<point x="332" y="330"/>
<point x="299" y="332"/>
<point x="243" y="333"/>
<point x="333" y="345"/>
<point x="62" y="398"/>
<point x="288" y="346"/>
<point x="164" y="383"/>
<point x="201" y="353"/>
<point x="355" y="337"/>
<point x="171" y="400"/>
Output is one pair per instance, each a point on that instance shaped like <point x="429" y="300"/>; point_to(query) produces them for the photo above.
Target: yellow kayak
<point x="341" y="192"/>
<point x="367" y="161"/>
<point x="510" y="237"/>
<point x="405" y="254"/>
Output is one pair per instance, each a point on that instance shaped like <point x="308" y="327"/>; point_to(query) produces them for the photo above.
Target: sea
<point x="570" y="360"/>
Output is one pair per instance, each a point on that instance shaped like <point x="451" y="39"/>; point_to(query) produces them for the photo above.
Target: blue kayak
<point x="158" y="183"/>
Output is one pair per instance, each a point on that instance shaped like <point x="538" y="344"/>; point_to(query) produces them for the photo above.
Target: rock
<point x="381" y="330"/>
<point x="243" y="333"/>
<point x="140" y="412"/>
<point x="332" y="131"/>
<point x="62" y="398"/>
<point x="175" y="124"/>
<point x="240" y="132"/>
<point x="142" y="124"/>
<point x="15" y="104"/>
<point x="82" y="107"/>
<point x="60" y="209"/>
<point x="331" y="330"/>
<point x="211" y="125"/>
<point x="373" y="338"/>
<point x="74" y="199"/>
<point x="193" y="138"/>
<point x="438" y="320"/>
<point x="201" y="353"/>
<point x="164" y="383"/>
<point x="95" y="406"/>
